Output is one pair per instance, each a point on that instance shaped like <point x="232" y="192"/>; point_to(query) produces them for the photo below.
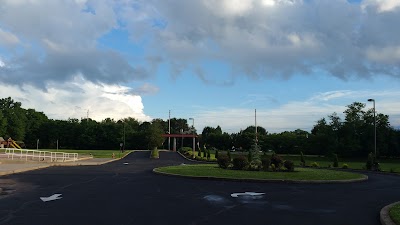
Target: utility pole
<point x="169" y="130"/>
<point x="255" y="121"/>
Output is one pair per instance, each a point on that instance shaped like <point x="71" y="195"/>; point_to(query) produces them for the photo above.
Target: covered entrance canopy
<point x="194" y="136"/>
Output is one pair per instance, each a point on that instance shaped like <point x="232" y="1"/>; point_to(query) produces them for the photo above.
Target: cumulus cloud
<point x="299" y="114"/>
<point x="75" y="98"/>
<point x="275" y="38"/>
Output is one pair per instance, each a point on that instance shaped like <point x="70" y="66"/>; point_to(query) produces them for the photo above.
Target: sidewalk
<point x="17" y="166"/>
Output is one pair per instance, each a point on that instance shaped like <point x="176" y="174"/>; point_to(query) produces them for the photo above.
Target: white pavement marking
<point x="235" y="195"/>
<point x="51" y="198"/>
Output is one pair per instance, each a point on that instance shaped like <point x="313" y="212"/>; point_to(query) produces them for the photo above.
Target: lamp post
<point x="169" y="130"/>
<point x="194" y="140"/>
<point x="373" y="101"/>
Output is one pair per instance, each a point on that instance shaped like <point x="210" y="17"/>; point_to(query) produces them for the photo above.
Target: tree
<point x="153" y="136"/>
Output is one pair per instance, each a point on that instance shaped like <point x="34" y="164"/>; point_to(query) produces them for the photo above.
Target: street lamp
<point x="373" y="100"/>
<point x="194" y="144"/>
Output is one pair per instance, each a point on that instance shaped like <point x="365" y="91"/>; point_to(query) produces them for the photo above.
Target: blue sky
<point x="295" y="61"/>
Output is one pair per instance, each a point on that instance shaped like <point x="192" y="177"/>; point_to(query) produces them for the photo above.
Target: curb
<point x="365" y="178"/>
<point x="24" y="170"/>
<point x="57" y="164"/>
<point x="384" y="215"/>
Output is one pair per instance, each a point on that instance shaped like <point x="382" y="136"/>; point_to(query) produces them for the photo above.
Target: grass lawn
<point x="395" y="213"/>
<point x="213" y="170"/>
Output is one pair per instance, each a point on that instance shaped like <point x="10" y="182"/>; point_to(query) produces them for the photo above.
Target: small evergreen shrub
<point x="199" y="153"/>
<point x="335" y="160"/>
<point x="229" y="156"/>
<point x="154" y="154"/>
<point x="208" y="154"/>
<point x="185" y="149"/>
<point x="255" y="165"/>
<point x="250" y="156"/>
<point x="240" y="162"/>
<point x="315" y="165"/>
<point x="289" y="165"/>
<point x="345" y="166"/>
<point x="302" y="160"/>
<point x="216" y="154"/>
<point x="277" y="161"/>
<point x="273" y="168"/>
<point x="223" y="161"/>
<point x="265" y="163"/>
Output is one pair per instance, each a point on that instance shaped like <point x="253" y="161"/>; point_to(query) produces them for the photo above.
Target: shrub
<point x="335" y="160"/>
<point x="204" y="153"/>
<point x="223" y="161"/>
<point x="185" y="149"/>
<point x="289" y="165"/>
<point x="392" y="170"/>
<point x="216" y="154"/>
<point x="265" y="162"/>
<point x="345" y="166"/>
<point x="255" y="164"/>
<point x="314" y="164"/>
<point x="249" y="156"/>
<point x="240" y="162"/>
<point x="302" y="160"/>
<point x="273" y="168"/>
<point x="199" y="153"/>
<point x="229" y="156"/>
<point x="208" y="154"/>
<point x="277" y="161"/>
<point x="154" y="154"/>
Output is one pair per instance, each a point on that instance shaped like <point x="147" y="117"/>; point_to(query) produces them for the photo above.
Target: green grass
<point x="204" y="170"/>
<point x="394" y="213"/>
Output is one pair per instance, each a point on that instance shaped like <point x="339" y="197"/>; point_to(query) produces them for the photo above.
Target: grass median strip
<point x="300" y="174"/>
<point x="395" y="213"/>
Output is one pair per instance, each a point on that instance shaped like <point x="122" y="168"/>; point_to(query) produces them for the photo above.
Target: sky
<point x="294" y="61"/>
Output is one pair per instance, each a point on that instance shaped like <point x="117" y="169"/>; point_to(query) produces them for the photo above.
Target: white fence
<point x="40" y="155"/>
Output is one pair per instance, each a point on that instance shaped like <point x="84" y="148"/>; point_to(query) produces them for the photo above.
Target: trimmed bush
<point x="216" y="154"/>
<point x="315" y="165"/>
<point x="250" y="156"/>
<point x="255" y="165"/>
<point x="199" y="153"/>
<point x="240" y="162"/>
<point x="185" y="149"/>
<point x="289" y="165"/>
<point x="154" y="154"/>
<point x="345" y="166"/>
<point x="208" y="154"/>
<point x="265" y="163"/>
<point x="302" y="160"/>
<point x="223" y="161"/>
<point x="335" y="160"/>
<point x="277" y="161"/>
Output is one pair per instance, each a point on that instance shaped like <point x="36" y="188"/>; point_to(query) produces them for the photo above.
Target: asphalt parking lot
<point x="127" y="192"/>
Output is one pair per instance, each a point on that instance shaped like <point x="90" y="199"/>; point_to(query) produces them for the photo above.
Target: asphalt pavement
<point x="128" y="192"/>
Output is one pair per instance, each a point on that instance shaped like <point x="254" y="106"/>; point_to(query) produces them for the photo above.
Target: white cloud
<point x="299" y="114"/>
<point x="382" y="5"/>
<point x="7" y="38"/>
<point x="390" y="54"/>
<point x="73" y="100"/>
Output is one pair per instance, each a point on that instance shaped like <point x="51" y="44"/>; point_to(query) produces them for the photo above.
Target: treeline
<point x="351" y="137"/>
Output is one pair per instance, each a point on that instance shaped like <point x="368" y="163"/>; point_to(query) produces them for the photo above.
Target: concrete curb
<point x="365" y="178"/>
<point x="384" y="215"/>
<point x="57" y="164"/>
<point x="24" y="170"/>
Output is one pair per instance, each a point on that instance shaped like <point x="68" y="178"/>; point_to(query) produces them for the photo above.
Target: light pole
<point x="373" y="101"/>
<point x="169" y="130"/>
<point x="194" y="139"/>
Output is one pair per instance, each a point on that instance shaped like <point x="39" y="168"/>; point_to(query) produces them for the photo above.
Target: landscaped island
<point x="300" y="174"/>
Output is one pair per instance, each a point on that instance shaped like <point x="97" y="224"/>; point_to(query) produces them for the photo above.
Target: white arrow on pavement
<point x="51" y="198"/>
<point x="235" y="195"/>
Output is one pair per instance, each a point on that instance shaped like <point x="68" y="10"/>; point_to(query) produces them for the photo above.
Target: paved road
<point x="131" y="194"/>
